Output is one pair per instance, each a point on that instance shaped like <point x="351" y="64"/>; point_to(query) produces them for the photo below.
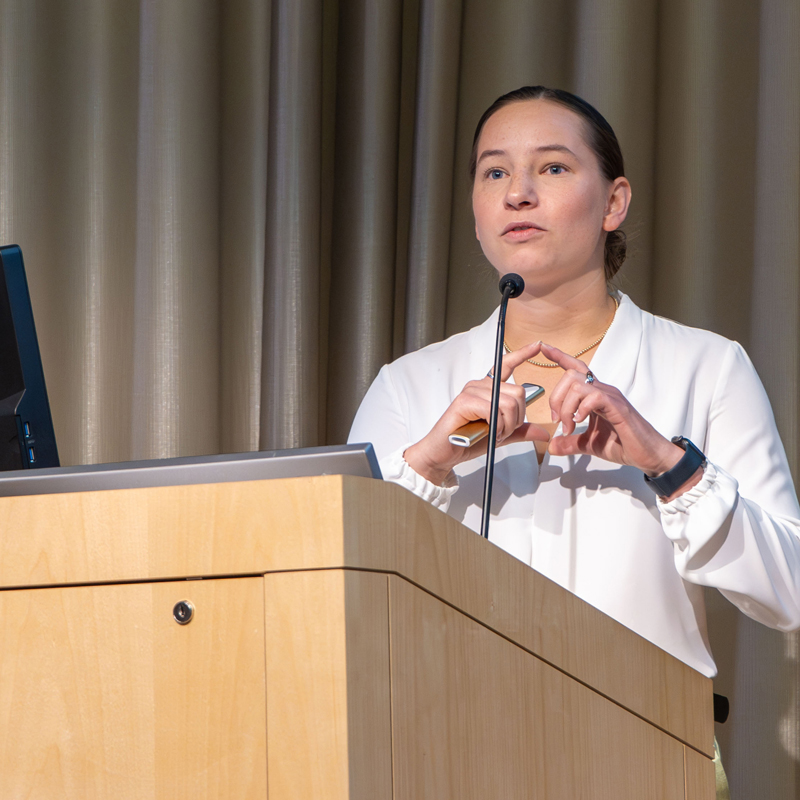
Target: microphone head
<point x="515" y="282"/>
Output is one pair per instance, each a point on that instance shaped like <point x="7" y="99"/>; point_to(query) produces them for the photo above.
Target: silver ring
<point x="589" y="377"/>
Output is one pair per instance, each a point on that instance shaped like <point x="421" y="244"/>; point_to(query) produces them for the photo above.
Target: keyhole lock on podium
<point x="183" y="612"/>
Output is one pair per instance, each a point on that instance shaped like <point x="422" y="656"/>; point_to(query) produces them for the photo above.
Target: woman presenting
<point x="628" y="396"/>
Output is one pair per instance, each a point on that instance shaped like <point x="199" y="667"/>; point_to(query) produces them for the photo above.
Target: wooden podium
<point x="347" y="641"/>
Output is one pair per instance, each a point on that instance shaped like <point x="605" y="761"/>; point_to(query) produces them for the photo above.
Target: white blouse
<point x="594" y="527"/>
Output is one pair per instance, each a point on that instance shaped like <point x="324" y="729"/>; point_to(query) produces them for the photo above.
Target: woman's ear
<point x="619" y="200"/>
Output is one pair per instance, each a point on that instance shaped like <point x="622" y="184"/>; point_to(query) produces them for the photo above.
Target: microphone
<point x="515" y="286"/>
<point x="511" y="285"/>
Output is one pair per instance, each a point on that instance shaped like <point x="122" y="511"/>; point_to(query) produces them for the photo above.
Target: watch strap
<point x="672" y="480"/>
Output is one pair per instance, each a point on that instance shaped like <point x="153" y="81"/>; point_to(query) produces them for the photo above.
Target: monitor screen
<point x="27" y="438"/>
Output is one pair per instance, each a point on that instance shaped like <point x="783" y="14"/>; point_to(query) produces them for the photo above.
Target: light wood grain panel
<point x="476" y="716"/>
<point x="509" y="597"/>
<point x="333" y="522"/>
<point x="171" y="531"/>
<point x="103" y="695"/>
<point x="328" y="719"/>
<point x="700" y="777"/>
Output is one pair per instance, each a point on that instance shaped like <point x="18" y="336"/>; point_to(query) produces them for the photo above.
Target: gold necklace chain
<point x="580" y="352"/>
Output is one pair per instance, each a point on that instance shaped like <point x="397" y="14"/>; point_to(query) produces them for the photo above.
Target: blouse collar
<point x="613" y="363"/>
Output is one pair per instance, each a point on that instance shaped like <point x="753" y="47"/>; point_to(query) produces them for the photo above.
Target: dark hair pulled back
<point x="600" y="137"/>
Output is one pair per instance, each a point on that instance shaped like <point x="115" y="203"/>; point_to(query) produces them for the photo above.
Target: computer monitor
<point x="27" y="438"/>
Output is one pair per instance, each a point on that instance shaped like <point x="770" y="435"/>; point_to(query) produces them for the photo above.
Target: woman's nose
<point x="521" y="191"/>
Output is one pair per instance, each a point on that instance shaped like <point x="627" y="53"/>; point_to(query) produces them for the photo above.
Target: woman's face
<point x="542" y="206"/>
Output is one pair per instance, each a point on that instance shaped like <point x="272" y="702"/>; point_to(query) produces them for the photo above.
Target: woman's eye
<point x="555" y="169"/>
<point x="494" y="174"/>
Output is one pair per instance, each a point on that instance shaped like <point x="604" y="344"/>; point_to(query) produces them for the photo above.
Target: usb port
<point x="27" y="429"/>
<point x="31" y="455"/>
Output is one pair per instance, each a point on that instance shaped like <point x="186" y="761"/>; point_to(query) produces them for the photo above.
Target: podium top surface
<point x="353" y="459"/>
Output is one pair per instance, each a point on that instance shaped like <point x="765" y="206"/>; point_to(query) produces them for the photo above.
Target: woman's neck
<point x="568" y="317"/>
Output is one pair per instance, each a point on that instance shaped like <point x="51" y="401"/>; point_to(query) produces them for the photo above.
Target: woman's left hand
<point x="617" y="431"/>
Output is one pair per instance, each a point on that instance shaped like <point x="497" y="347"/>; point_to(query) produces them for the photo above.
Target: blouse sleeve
<point x="381" y="421"/>
<point x="738" y="529"/>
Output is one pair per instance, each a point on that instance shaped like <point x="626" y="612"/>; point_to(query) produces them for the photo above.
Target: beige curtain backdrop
<point x="233" y="212"/>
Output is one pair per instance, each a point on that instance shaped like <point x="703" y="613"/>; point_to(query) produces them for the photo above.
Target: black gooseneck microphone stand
<point x="511" y="285"/>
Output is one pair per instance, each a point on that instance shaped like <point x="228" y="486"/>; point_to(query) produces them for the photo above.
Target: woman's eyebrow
<point x="490" y="154"/>
<point x="557" y="147"/>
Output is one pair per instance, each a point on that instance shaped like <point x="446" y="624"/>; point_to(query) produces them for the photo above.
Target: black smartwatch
<point x="672" y="480"/>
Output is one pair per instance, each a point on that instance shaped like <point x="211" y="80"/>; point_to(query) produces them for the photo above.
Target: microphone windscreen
<point x="514" y="281"/>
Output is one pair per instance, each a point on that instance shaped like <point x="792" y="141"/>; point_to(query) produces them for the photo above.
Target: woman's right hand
<point x="434" y="457"/>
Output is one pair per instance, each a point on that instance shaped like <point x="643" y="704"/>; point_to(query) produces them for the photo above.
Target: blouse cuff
<point x="696" y="522"/>
<point x="682" y="503"/>
<point x="396" y="469"/>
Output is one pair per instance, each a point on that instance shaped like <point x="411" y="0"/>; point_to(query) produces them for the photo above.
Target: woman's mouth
<point x="521" y="230"/>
